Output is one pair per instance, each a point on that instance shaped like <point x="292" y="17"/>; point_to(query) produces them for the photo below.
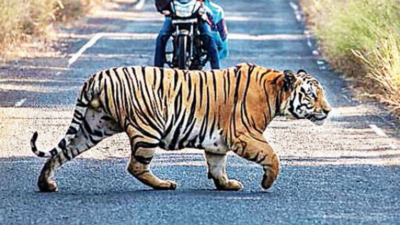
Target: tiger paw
<point x="268" y="180"/>
<point x="231" y="185"/>
<point x="47" y="186"/>
<point x="166" y="185"/>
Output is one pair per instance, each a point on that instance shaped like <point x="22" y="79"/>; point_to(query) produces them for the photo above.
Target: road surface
<point x="345" y="172"/>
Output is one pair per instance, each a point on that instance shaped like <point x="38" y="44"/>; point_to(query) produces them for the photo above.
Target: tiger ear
<point x="289" y="80"/>
<point x="301" y="71"/>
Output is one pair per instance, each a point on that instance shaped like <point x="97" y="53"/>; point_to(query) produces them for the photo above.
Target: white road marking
<point x="315" y="52"/>
<point x="309" y="43"/>
<point x="377" y="130"/>
<point x="294" y="6"/>
<point x="20" y="102"/>
<point x="262" y="37"/>
<point x="140" y="36"/>
<point x="140" y="4"/>
<point x="381" y="133"/>
<point x="232" y="36"/>
<point x="309" y="38"/>
<point x="89" y="44"/>
<point x="130" y="36"/>
<point x="296" y="10"/>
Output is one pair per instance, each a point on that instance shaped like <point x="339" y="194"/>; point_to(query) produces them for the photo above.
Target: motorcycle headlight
<point x="185" y="9"/>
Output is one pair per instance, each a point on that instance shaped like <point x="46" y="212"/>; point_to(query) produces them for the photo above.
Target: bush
<point x="22" y="18"/>
<point x="357" y="24"/>
<point x="383" y="66"/>
<point x="10" y="24"/>
<point x="361" y="38"/>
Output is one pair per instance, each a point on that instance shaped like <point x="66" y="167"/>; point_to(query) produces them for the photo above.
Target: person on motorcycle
<point x="167" y="30"/>
<point x="218" y="28"/>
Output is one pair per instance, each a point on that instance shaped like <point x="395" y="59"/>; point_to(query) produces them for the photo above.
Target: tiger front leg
<point x="216" y="171"/>
<point x="139" y="167"/>
<point x="255" y="148"/>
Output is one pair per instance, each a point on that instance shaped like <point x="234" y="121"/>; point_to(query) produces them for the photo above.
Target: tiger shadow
<point x="97" y="178"/>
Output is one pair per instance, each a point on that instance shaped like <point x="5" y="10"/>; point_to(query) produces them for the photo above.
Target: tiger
<point x="217" y="111"/>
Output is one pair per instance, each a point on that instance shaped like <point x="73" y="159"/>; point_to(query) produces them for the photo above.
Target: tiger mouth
<point x="317" y="118"/>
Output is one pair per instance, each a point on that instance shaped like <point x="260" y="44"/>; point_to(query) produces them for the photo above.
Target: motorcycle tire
<point x="182" y="53"/>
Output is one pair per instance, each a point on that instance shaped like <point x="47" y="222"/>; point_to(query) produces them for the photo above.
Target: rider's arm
<point x="221" y="26"/>
<point x="222" y="29"/>
<point x="163" y="5"/>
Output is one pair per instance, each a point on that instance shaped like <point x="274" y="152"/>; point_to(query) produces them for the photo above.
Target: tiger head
<point x="305" y="98"/>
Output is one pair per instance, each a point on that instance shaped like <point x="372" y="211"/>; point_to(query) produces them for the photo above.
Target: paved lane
<point x="345" y="172"/>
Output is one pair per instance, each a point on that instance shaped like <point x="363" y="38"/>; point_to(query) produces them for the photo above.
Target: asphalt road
<point x="345" y="172"/>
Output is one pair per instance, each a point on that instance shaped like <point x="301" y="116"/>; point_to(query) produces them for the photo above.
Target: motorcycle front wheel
<point x="183" y="53"/>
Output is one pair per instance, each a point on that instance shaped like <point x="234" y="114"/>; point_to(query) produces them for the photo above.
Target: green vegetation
<point x="361" y="38"/>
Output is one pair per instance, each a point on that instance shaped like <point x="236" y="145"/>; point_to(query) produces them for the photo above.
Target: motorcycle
<point x="188" y="48"/>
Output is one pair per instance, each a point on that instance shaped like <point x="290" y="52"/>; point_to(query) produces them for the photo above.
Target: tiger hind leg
<point x="217" y="172"/>
<point x="139" y="167"/>
<point x="254" y="148"/>
<point x="143" y="150"/>
<point x="94" y="127"/>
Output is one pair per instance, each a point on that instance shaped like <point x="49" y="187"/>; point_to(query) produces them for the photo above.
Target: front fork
<point x="178" y="34"/>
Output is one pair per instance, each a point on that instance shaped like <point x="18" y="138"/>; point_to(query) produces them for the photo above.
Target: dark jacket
<point x="163" y="5"/>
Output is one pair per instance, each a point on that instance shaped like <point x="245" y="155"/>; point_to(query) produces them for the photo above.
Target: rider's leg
<point x="161" y="42"/>
<point x="212" y="51"/>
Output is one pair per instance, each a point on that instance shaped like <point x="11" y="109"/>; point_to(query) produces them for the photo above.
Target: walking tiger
<point x="217" y="111"/>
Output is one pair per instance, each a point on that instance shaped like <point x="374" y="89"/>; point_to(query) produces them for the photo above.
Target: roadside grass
<point x="383" y="65"/>
<point x="33" y="21"/>
<point x="361" y="38"/>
